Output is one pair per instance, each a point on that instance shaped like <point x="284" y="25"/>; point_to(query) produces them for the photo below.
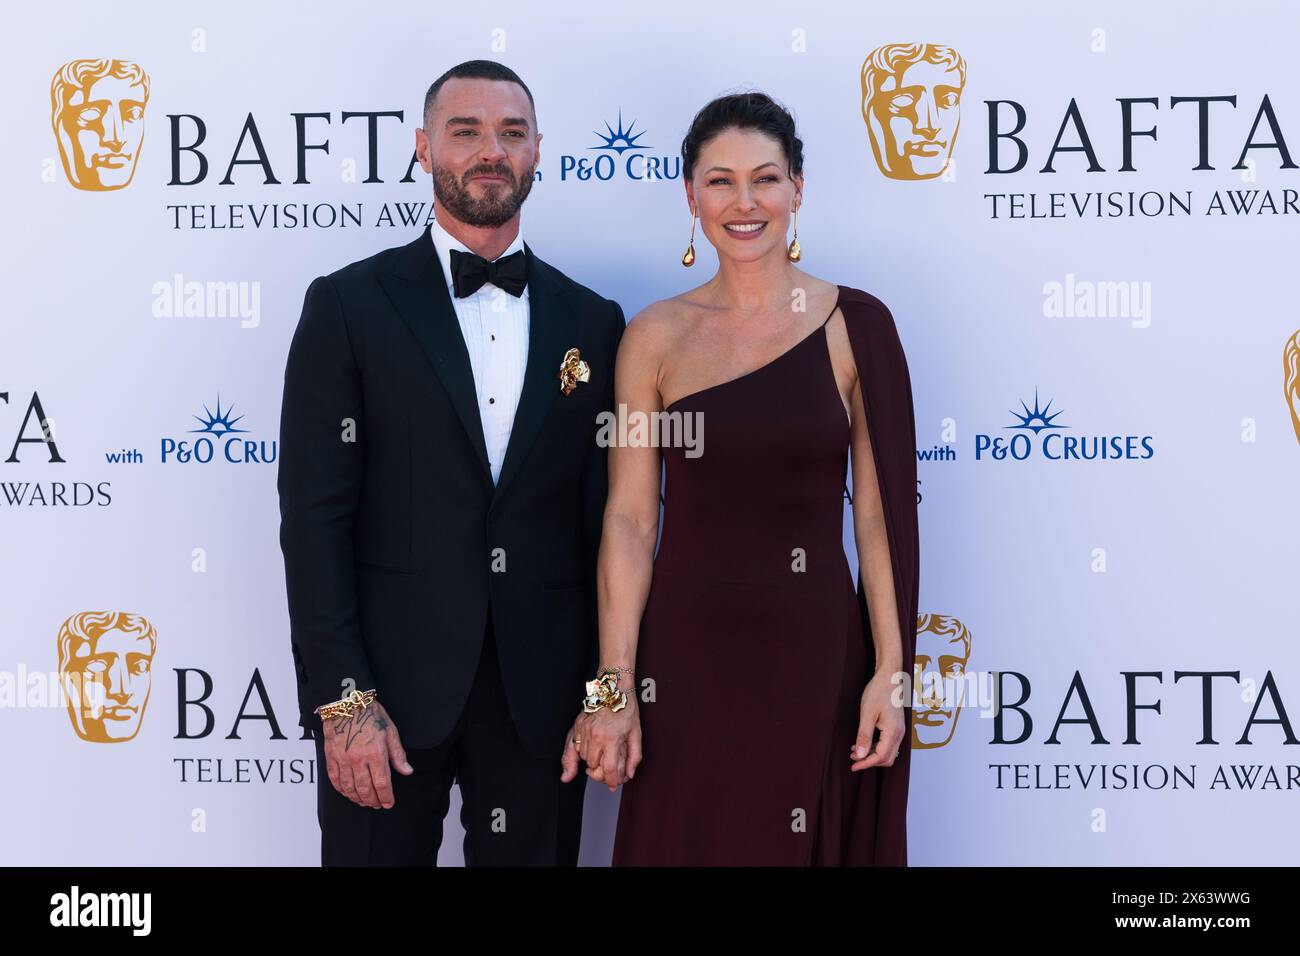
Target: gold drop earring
<point x="795" y="252"/>
<point x="688" y="257"/>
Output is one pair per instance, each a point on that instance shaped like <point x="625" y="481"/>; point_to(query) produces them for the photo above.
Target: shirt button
<point x="493" y="338"/>
<point x="492" y="401"/>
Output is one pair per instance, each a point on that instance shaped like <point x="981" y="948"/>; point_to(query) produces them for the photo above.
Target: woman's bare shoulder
<point x="661" y="326"/>
<point x="817" y="288"/>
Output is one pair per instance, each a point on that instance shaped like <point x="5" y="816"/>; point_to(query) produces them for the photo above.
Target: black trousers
<point x="514" y="808"/>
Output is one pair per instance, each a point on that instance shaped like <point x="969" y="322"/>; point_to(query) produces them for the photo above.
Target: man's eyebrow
<point x="475" y="121"/>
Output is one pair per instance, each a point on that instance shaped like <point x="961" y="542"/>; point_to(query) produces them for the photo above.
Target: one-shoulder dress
<point x="755" y="644"/>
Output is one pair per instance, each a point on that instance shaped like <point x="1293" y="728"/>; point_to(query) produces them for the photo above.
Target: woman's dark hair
<point x="752" y="110"/>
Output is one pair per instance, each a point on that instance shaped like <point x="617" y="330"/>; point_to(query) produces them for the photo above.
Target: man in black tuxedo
<point x="441" y="496"/>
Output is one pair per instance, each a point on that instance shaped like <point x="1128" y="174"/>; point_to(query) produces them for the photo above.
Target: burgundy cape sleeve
<point x="891" y="421"/>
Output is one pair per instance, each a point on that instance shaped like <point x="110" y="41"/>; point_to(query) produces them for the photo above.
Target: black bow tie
<point x="469" y="272"/>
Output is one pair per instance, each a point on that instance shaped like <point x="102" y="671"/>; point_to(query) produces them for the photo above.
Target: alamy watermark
<point x="662" y="429"/>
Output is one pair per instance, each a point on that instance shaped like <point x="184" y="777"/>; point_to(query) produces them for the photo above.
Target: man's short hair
<point x="476" y="70"/>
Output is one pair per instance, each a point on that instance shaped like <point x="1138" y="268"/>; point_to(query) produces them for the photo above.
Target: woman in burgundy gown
<point x="765" y="723"/>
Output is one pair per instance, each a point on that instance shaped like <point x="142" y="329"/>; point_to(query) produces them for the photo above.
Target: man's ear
<point x="422" y="147"/>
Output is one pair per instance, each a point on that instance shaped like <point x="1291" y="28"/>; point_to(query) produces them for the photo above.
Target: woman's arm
<point x="611" y="742"/>
<point x="872" y="540"/>
<point x="878" y="711"/>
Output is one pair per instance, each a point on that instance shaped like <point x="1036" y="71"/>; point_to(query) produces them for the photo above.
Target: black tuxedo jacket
<point x="396" y="542"/>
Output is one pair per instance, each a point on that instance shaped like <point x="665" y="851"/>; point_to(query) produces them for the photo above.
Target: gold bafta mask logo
<point x="1291" y="380"/>
<point x="105" y="663"/>
<point x="942" y="651"/>
<point x="911" y="102"/>
<point x="98" y="115"/>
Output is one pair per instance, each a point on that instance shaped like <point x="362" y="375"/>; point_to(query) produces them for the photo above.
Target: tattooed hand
<point x="358" y="750"/>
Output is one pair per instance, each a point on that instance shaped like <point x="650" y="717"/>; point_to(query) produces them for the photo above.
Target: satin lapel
<point x="419" y="291"/>
<point x="552" y="331"/>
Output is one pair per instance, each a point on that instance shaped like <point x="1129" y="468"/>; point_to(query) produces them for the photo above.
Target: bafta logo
<point x="98" y="115"/>
<point x="1291" y="379"/>
<point x="105" y="658"/>
<point x="942" y="651"/>
<point x="911" y="102"/>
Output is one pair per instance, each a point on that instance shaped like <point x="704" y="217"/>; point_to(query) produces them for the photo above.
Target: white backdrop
<point x="1183" y="560"/>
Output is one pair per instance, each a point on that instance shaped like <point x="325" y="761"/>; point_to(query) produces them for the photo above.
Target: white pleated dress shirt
<point x="494" y="325"/>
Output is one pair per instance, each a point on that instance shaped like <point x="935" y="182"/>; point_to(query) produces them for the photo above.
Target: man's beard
<point x="495" y="209"/>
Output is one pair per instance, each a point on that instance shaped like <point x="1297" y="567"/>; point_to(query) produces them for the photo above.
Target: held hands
<point x="609" y="742"/>
<point x="878" y="712"/>
<point x="358" y="750"/>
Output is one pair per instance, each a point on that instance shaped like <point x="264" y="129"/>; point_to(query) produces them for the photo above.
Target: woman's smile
<point x="744" y="229"/>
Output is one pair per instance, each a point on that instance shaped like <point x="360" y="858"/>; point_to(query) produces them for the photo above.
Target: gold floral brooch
<point x="572" y="371"/>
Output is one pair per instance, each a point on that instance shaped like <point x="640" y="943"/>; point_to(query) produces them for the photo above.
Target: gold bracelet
<point x="357" y="700"/>
<point x="604" y="692"/>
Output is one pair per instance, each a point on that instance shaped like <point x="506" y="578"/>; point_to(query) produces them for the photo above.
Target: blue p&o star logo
<point x="220" y="424"/>
<point x="620" y="140"/>
<point x="1035" y="419"/>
